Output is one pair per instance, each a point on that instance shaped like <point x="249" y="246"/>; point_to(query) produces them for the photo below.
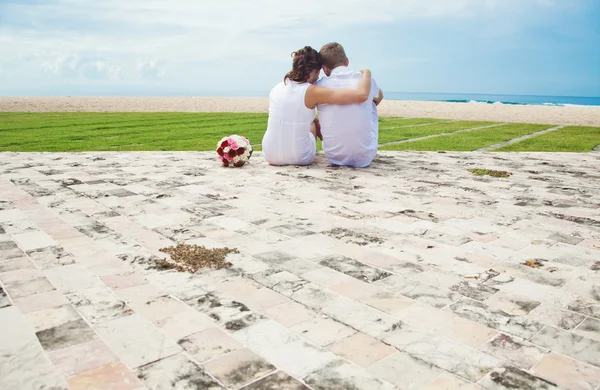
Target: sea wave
<point x="548" y="104"/>
<point x="482" y="102"/>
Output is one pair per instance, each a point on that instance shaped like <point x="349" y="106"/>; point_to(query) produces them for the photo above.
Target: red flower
<point x="220" y="151"/>
<point x="241" y="151"/>
<point x="239" y="163"/>
<point x="232" y="153"/>
<point x="224" y="144"/>
<point x="225" y="163"/>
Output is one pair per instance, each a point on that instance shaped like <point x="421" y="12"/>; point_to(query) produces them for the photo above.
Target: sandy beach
<point x="583" y="116"/>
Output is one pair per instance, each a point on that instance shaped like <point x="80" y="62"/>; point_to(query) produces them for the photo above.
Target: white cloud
<point x="142" y="39"/>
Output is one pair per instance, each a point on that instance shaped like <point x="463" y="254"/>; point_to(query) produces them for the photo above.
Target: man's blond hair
<point x="332" y="55"/>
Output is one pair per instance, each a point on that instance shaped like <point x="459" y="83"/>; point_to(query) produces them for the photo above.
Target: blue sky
<point x="226" y="47"/>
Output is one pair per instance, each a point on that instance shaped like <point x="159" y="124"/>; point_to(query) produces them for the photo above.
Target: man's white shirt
<point x="350" y="132"/>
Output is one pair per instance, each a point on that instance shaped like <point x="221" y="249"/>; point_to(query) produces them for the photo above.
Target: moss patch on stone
<point x="489" y="172"/>
<point x="192" y="258"/>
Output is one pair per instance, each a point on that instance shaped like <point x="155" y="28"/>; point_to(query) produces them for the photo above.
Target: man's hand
<point x="378" y="98"/>
<point x="318" y="127"/>
<point x="365" y="71"/>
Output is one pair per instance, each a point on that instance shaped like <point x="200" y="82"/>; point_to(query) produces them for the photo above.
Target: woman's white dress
<point x="288" y="140"/>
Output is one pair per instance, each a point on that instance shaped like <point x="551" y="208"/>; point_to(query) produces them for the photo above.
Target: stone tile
<point x="326" y="277"/>
<point x="281" y="281"/>
<point x="113" y="376"/>
<point x="496" y="319"/>
<point x="568" y="373"/>
<point x="10" y="250"/>
<point x="49" y="318"/>
<point x="448" y="381"/>
<point x="274" y="258"/>
<point x="575" y="346"/>
<point x="40" y="301"/>
<point x="360" y="317"/>
<point x="4" y="299"/>
<point x="176" y="372"/>
<point x="566" y="239"/>
<point x="441" y="352"/>
<point x="341" y="375"/>
<point x="587" y="307"/>
<point x="477" y="291"/>
<point x="323" y="331"/>
<point x="126" y="280"/>
<point x="355" y="289"/>
<point x="589" y="289"/>
<point x="99" y="304"/>
<point x="264" y="298"/>
<point x="73" y="278"/>
<point x="81" y="357"/>
<point x="512" y="304"/>
<point x="289" y="313"/>
<point x="387" y="302"/>
<point x="404" y="371"/>
<point x="33" y="240"/>
<point x="50" y="257"/>
<point x="208" y="344"/>
<point x="440" y="279"/>
<point x="277" y="381"/>
<point x="555" y="316"/>
<point x="538" y="292"/>
<point x="507" y="377"/>
<point x="136" y="341"/>
<point x="232" y="315"/>
<point x="310" y="295"/>
<point x="20" y="289"/>
<point x="475" y="365"/>
<point x="291" y="230"/>
<point x="589" y="328"/>
<point x="17" y="263"/>
<point x="303" y="248"/>
<point x="518" y="352"/>
<point x="141" y="293"/>
<point x="418" y="291"/>
<point x="239" y="368"/>
<point x="354" y="268"/>
<point x="65" y="335"/>
<point x="447" y="324"/>
<point x="422" y="306"/>
<point x="11" y="215"/>
<point x="299" y="266"/>
<point x="284" y="348"/>
<point x="590" y="243"/>
<point x="184" y="324"/>
<point x="159" y="308"/>
<point x="18" y="349"/>
<point x="361" y="349"/>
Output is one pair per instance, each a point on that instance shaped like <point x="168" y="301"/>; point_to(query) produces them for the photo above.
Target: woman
<point x="292" y="128"/>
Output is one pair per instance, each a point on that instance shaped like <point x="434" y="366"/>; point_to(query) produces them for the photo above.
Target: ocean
<point x="496" y="99"/>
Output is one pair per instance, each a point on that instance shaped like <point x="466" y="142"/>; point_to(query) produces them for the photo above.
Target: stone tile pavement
<point x="408" y="274"/>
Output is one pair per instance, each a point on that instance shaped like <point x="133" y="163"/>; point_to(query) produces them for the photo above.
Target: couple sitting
<point x="347" y="106"/>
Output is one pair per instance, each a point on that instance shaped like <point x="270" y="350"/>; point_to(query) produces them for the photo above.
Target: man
<point x="350" y="132"/>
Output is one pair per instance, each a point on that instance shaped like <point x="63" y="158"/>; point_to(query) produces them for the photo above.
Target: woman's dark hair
<point x="304" y="61"/>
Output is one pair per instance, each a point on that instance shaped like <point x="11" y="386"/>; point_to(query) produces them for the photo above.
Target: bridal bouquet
<point x="234" y="151"/>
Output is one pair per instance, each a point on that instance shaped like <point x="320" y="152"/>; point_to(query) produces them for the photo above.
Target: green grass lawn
<point x="567" y="139"/>
<point x="392" y="132"/>
<point x="77" y="132"/>
<point x="471" y="140"/>
<point x="124" y="131"/>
